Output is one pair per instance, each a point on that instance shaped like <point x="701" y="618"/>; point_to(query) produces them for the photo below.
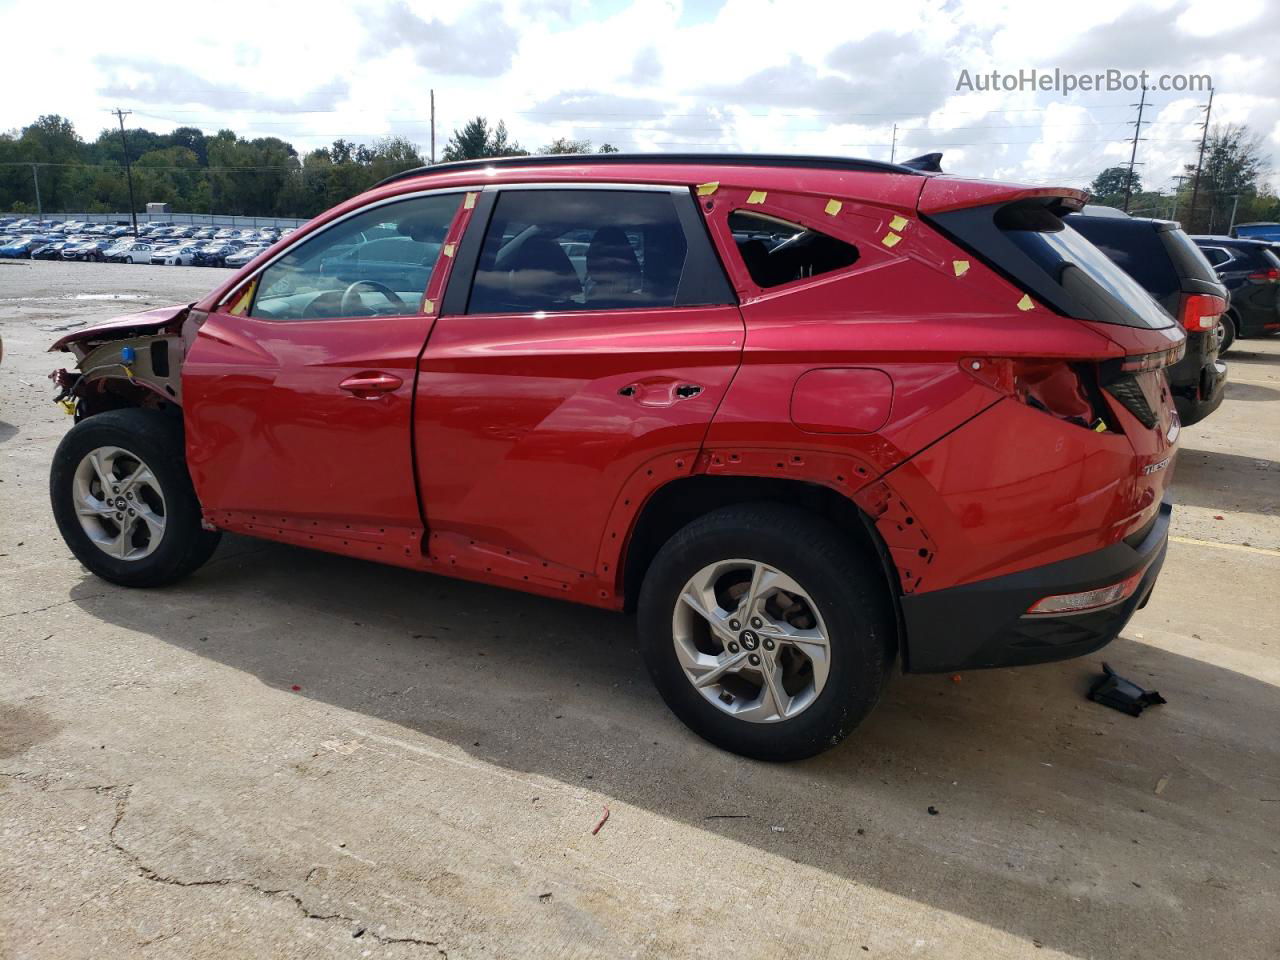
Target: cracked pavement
<point x="298" y="755"/>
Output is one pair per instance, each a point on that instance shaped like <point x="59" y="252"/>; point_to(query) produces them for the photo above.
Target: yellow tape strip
<point x="757" y="196"/>
<point x="891" y="240"/>
<point x="448" y="250"/>
<point x="707" y="189"/>
<point x="1025" y="303"/>
<point x="428" y="306"/>
<point x="832" y="207"/>
<point x="470" y="202"/>
<point x="898" y="222"/>
<point x="961" y="267"/>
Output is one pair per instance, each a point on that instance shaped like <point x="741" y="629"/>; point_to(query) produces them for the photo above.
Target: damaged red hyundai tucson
<point x="808" y="417"/>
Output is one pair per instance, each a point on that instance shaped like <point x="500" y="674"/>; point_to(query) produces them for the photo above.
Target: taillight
<point x="1053" y="386"/>
<point x="1200" y="311"/>
<point x="1271" y="275"/>
<point x="1086" y="600"/>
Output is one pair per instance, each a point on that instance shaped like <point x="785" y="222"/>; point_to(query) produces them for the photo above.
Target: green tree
<point x="1108" y="187"/>
<point x="475" y="141"/>
<point x="564" y="145"/>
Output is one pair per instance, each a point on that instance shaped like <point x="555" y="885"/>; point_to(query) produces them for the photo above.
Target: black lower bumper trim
<point x="982" y="624"/>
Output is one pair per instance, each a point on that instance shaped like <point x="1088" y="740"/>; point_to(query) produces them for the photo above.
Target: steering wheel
<point x="351" y="300"/>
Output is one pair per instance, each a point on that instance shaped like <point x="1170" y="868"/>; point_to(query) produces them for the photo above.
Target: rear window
<point x="1135" y="247"/>
<point x="1029" y="243"/>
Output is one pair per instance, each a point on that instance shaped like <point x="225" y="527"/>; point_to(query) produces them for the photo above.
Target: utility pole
<point x="1177" y="189"/>
<point x="128" y="170"/>
<point x="1235" y="204"/>
<point x="1195" y="184"/>
<point x="433" y="126"/>
<point x="35" y="175"/>
<point x="1133" y="153"/>
<point x="893" y="150"/>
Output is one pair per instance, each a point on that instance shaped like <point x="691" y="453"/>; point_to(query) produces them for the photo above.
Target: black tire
<point x="848" y="589"/>
<point x="1229" y="332"/>
<point x="156" y="439"/>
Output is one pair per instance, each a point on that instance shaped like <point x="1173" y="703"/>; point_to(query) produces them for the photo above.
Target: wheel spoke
<point x="123" y="542"/>
<point x="784" y="632"/>
<point x="773" y="702"/>
<point x="103" y="470"/>
<point x="725" y="663"/>
<point x="154" y="522"/>
<point x="140" y="477"/>
<point x="697" y="600"/>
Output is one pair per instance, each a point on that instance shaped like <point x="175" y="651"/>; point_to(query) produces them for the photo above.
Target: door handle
<point x="659" y="392"/>
<point x="371" y="384"/>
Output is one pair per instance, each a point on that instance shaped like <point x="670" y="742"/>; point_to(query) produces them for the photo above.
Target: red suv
<point x="805" y="415"/>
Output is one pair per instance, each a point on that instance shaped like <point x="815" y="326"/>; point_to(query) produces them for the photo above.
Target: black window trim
<point x="708" y="283"/>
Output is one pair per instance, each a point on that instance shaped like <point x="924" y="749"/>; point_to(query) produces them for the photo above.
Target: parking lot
<point x="295" y="754"/>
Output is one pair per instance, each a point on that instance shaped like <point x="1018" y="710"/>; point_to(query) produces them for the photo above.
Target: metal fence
<point x="194" y="219"/>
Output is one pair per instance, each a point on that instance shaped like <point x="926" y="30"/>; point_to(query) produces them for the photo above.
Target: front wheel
<point x="123" y="499"/>
<point x="766" y="631"/>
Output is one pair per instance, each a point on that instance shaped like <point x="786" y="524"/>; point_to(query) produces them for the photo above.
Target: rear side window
<point x="564" y="250"/>
<point x="1029" y="243"/>
<point x="777" y="251"/>
<point x="1215" y="255"/>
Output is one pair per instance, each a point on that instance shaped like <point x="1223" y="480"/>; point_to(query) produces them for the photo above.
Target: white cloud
<point x="815" y="76"/>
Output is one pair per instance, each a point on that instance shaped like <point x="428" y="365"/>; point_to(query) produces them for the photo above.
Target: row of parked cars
<point x="155" y="243"/>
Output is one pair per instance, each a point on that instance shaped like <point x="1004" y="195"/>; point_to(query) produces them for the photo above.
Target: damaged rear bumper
<point x="984" y="624"/>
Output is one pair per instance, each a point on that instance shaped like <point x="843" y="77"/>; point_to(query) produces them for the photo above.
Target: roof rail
<point x="714" y="159"/>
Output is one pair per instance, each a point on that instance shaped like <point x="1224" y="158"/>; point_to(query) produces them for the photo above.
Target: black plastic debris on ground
<point x="1113" y="690"/>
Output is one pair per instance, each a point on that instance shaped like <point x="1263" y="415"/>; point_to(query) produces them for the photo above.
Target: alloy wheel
<point x="751" y="641"/>
<point x="119" y="503"/>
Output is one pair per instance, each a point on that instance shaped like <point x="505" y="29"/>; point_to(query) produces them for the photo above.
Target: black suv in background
<point x="1163" y="259"/>
<point x="1251" y="271"/>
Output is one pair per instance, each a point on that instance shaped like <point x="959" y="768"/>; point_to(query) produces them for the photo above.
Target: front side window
<point x="376" y="263"/>
<point x="778" y="251"/>
<point x="579" y="250"/>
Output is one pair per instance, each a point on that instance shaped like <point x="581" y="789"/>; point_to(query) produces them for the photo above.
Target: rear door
<point x="587" y="335"/>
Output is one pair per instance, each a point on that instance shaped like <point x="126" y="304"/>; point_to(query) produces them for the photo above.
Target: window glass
<point x="376" y="263"/>
<point x="1077" y="266"/>
<point x="777" y="251"/>
<point x="1216" y="255"/>
<point x="579" y="250"/>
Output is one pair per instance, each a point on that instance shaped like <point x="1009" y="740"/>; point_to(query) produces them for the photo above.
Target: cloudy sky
<point x="699" y="75"/>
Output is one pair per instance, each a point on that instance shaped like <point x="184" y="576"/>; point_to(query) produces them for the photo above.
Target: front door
<point x="298" y="390"/>
<point x="579" y="369"/>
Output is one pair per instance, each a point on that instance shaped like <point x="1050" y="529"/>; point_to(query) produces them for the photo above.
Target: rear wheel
<point x="766" y="631"/>
<point x="123" y="499"/>
<point x="1227" y="328"/>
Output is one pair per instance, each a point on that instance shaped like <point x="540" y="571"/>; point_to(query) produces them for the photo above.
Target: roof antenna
<point x="928" y="162"/>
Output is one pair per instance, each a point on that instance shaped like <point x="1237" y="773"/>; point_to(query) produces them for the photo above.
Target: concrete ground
<point x="299" y="755"/>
